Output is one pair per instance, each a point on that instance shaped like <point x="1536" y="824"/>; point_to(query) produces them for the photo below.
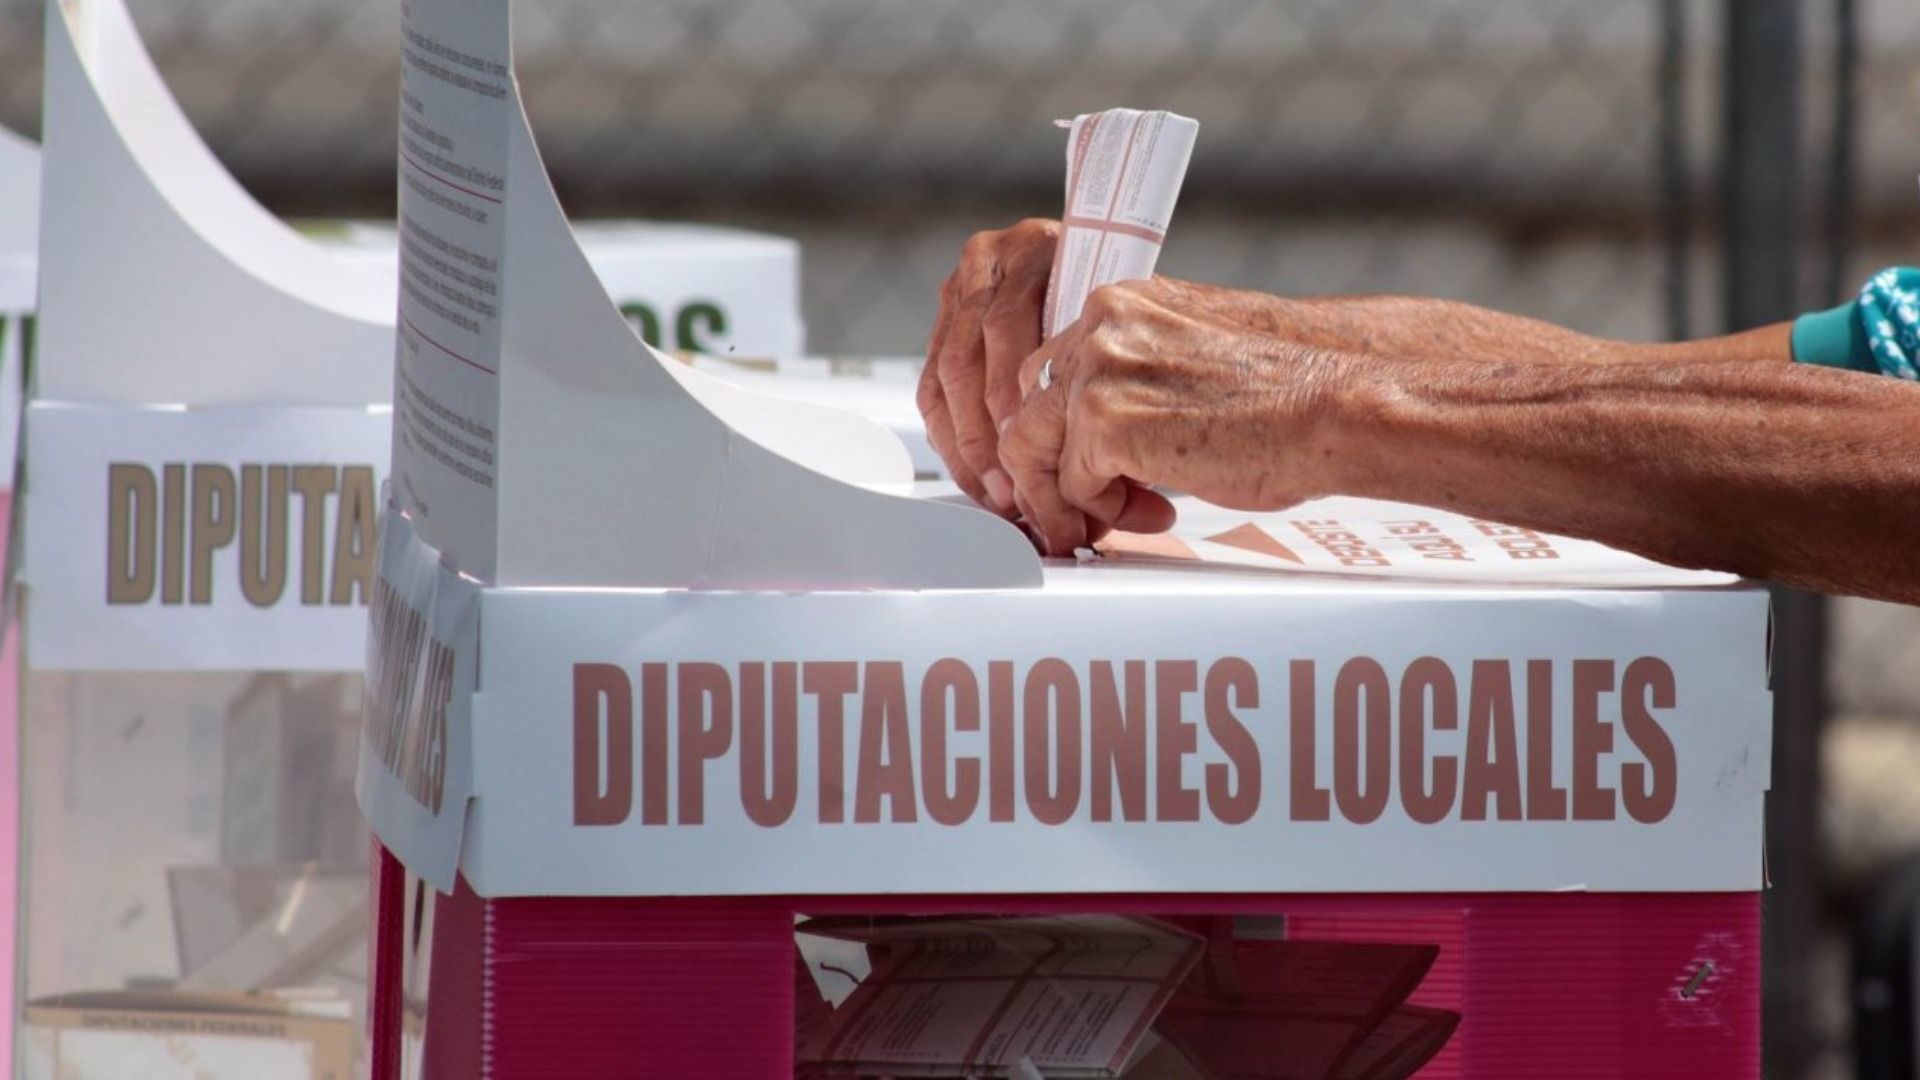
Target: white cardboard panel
<point x="162" y="280"/>
<point x="882" y="390"/>
<point x="544" y="408"/>
<point x="415" y="770"/>
<point x="180" y="603"/>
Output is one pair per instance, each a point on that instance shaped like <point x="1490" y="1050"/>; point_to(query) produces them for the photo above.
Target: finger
<point x="1030" y="449"/>
<point x="928" y="396"/>
<point x="1096" y="482"/>
<point x="1087" y="480"/>
<point x="1025" y="516"/>
<point x="962" y="369"/>
<point x="1122" y="505"/>
<point x="1095" y="529"/>
<point x="1013" y="322"/>
<point x="1146" y="511"/>
<point x="943" y="318"/>
<point x="933" y="406"/>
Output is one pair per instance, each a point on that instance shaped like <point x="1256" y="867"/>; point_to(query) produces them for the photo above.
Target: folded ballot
<point x="1124" y="169"/>
<point x="1107" y="996"/>
<point x="1066" y="996"/>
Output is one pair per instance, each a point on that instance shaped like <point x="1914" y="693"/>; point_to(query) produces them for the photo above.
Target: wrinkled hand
<point x="1150" y="388"/>
<point x="989" y="322"/>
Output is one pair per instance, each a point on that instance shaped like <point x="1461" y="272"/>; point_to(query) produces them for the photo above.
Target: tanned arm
<point x="1412" y="327"/>
<point x="1809" y="476"/>
<point x="989" y="323"/>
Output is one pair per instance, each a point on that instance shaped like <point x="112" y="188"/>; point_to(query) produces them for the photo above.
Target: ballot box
<point x="1550" y="795"/>
<point x="207" y="439"/>
<point x="699" y="741"/>
<point x="204" y="446"/>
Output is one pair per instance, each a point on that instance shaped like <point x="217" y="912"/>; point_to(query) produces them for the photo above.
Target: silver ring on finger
<point x="1045" y="381"/>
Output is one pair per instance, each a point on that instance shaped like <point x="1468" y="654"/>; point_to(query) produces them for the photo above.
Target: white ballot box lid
<point x="1336" y="707"/>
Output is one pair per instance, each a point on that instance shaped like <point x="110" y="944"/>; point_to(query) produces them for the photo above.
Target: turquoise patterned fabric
<point x="1878" y="331"/>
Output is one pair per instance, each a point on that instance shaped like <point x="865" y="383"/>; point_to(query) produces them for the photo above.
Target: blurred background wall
<point x="1560" y="158"/>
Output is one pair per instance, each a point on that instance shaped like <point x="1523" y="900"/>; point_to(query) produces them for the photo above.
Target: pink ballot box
<point x="1546" y="799"/>
<point x="699" y="742"/>
<point x="1581" y="986"/>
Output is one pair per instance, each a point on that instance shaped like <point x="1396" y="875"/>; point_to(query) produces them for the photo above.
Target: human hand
<point x="1151" y="388"/>
<point x="990" y="320"/>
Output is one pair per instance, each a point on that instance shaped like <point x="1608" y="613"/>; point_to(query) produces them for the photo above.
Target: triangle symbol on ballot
<point x="1251" y="537"/>
<point x="1154" y="545"/>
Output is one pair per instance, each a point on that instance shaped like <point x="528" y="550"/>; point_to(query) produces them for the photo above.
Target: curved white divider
<point x="164" y="281"/>
<point x="161" y="279"/>
<point x="825" y="438"/>
<point x="538" y="442"/>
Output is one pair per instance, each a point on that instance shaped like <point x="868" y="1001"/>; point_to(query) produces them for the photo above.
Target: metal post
<point x="1676" y="202"/>
<point x="1842" y="149"/>
<point x="1760" y="191"/>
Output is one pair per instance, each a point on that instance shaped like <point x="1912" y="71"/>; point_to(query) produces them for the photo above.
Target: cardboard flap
<point x="845" y="446"/>
<point x="540" y="443"/>
<point x="19" y="196"/>
<point x="415" y="772"/>
<point x="150" y="240"/>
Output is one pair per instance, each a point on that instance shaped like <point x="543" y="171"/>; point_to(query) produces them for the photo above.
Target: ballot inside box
<point x="1109" y="996"/>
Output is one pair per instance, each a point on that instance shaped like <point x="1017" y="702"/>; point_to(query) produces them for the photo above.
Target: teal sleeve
<point x="1834" y="338"/>
<point x="1877" y="331"/>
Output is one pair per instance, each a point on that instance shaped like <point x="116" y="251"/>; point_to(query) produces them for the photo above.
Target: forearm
<point x="1805" y="476"/>
<point x="1418" y="328"/>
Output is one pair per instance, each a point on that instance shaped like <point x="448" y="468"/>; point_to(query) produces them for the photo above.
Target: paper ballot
<point x="1110" y="996"/>
<point x="1067" y="996"/>
<point x="1366" y="538"/>
<point x="1124" y="169"/>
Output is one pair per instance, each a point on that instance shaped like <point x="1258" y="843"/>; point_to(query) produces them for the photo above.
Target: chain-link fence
<point x="1512" y="152"/>
<point x="1503" y="151"/>
<point x="1552" y="157"/>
